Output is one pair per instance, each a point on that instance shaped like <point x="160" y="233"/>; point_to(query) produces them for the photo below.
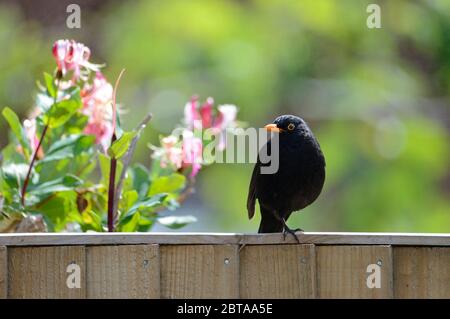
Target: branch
<point x="113" y="164"/>
<point x="112" y="179"/>
<point x="127" y="161"/>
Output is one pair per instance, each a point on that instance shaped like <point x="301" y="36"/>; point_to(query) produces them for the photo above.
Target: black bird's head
<point x="288" y="124"/>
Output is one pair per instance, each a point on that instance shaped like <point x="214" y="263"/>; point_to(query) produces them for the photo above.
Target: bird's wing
<point x="251" y="199"/>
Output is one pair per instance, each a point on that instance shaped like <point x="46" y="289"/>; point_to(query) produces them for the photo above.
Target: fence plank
<point x="41" y="272"/>
<point x="200" y="271"/>
<point x="129" y="271"/>
<point x="278" y="271"/>
<point x="56" y="239"/>
<point x="422" y="272"/>
<point x="342" y="271"/>
<point x="3" y="273"/>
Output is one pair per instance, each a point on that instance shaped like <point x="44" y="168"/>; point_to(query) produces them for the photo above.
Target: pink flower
<point x="192" y="148"/>
<point x="225" y="119"/>
<point x="199" y="117"/>
<point x="96" y="100"/>
<point x="180" y="155"/>
<point x="172" y="153"/>
<point x="72" y="56"/>
<point x="206" y="113"/>
<point x="202" y="117"/>
<point x="187" y="152"/>
<point x="191" y="115"/>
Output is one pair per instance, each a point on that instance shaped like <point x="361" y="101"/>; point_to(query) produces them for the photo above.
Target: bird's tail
<point x="269" y="223"/>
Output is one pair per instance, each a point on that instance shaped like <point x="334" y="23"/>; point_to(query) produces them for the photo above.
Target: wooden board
<point x="277" y="271"/>
<point x="422" y="272"/>
<point x="3" y="273"/>
<point x="413" y="239"/>
<point x="342" y="271"/>
<point x="200" y="271"/>
<point x="41" y="272"/>
<point x="129" y="271"/>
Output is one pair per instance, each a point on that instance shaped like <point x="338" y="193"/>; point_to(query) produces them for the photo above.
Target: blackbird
<point x="297" y="182"/>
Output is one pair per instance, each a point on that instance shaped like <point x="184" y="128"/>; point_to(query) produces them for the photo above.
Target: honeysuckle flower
<point x="203" y="117"/>
<point x="225" y="119"/>
<point x="191" y="114"/>
<point x="192" y="148"/>
<point x="180" y="153"/>
<point x="185" y="150"/>
<point x="172" y="152"/>
<point x="96" y="98"/>
<point x="199" y="117"/>
<point x="73" y="56"/>
<point x="206" y="113"/>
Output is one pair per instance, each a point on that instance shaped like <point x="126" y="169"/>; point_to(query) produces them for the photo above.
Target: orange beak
<point x="273" y="128"/>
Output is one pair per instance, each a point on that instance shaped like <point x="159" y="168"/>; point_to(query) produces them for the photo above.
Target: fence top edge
<point x="318" y="238"/>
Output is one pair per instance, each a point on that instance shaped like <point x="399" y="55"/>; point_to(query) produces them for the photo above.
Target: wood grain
<point x="41" y="272"/>
<point x="128" y="271"/>
<point x="407" y="239"/>
<point x="3" y="273"/>
<point x="422" y="272"/>
<point x="342" y="271"/>
<point x="200" y="271"/>
<point x="278" y="271"/>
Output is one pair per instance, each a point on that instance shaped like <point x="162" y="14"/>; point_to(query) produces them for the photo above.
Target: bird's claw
<point x="287" y="230"/>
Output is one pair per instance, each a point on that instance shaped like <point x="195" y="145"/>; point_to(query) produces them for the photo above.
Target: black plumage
<point x="298" y="181"/>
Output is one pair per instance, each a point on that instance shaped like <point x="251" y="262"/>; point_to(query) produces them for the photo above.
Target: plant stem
<point x="113" y="163"/>
<point x="30" y="168"/>
<point x="111" y="189"/>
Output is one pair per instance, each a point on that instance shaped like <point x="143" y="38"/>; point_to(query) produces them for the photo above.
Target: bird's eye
<point x="291" y="127"/>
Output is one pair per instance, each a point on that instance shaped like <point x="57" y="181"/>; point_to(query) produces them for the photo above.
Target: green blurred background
<point x="377" y="99"/>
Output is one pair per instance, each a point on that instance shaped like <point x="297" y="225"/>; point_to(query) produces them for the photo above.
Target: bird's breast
<point x="299" y="179"/>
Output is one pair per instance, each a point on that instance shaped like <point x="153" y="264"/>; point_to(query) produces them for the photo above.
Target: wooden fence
<point x="161" y="265"/>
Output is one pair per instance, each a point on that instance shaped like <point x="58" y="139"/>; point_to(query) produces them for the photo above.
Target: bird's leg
<point x="287" y="230"/>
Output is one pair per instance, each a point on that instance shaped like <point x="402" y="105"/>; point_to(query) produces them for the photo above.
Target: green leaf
<point x="76" y="124"/>
<point x="91" y="221"/>
<point x="145" y="224"/>
<point x="17" y="129"/>
<point x="50" y="84"/>
<point x="59" y="208"/>
<point x="14" y="174"/>
<point x="145" y="204"/>
<point x="128" y="199"/>
<point x="105" y="162"/>
<point x="66" y="183"/>
<point x="44" y="102"/>
<point x="62" y="111"/>
<point x="119" y="129"/>
<point x="175" y="222"/>
<point x="68" y="147"/>
<point x="121" y="145"/>
<point x="130" y="224"/>
<point x="141" y="179"/>
<point x="167" y="184"/>
<point x="13" y="121"/>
